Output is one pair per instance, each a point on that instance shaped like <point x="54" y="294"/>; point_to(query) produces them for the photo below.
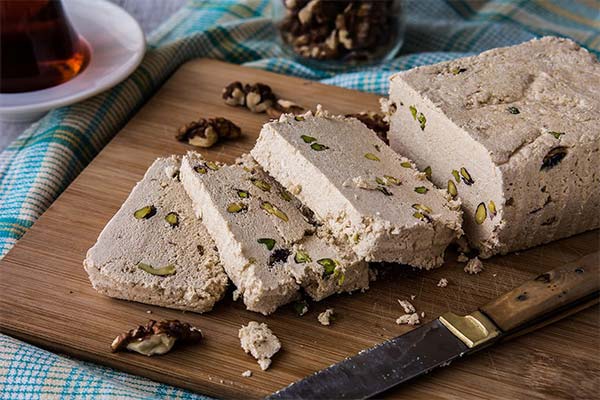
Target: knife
<point x="547" y="298"/>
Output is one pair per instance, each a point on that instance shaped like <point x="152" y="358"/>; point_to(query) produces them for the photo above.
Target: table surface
<point x="149" y="14"/>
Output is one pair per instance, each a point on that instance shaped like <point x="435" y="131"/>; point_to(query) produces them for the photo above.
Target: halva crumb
<point x="407" y="306"/>
<point x="326" y="316"/>
<point x="408" y="319"/>
<point x="474" y="266"/>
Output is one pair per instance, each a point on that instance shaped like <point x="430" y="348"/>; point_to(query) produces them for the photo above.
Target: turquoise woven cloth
<point x="42" y="162"/>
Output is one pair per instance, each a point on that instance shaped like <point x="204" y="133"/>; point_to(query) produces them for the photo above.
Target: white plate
<point x="117" y="46"/>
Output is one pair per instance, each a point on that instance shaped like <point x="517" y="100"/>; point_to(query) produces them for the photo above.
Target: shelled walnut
<point x="206" y="132"/>
<point x="284" y="107"/>
<point x="156" y="337"/>
<point x="258" y="98"/>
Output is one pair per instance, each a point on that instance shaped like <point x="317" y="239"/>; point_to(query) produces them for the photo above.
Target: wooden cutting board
<point x="46" y="299"/>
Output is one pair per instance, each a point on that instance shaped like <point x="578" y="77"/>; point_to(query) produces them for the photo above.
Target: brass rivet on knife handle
<point x="547" y="294"/>
<point x="473" y="330"/>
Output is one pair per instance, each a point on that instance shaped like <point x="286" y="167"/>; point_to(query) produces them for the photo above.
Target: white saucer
<point x="117" y="46"/>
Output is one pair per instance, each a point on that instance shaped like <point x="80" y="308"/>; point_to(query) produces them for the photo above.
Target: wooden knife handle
<point x="547" y="294"/>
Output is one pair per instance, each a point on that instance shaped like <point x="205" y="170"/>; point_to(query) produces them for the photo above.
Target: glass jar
<point x="339" y="33"/>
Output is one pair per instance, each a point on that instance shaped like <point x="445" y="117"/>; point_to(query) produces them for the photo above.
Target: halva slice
<point x="155" y="251"/>
<point x="373" y="200"/>
<point x="514" y="133"/>
<point x="259" y="341"/>
<point x="269" y="245"/>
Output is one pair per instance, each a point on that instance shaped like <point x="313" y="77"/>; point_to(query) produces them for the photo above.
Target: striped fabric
<point x="42" y="162"/>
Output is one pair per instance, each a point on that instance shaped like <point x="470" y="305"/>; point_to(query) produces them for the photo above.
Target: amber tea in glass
<point x="38" y="46"/>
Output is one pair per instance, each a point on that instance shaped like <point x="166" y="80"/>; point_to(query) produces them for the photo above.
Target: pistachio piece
<point x="457" y="70"/>
<point x="421" y="189"/>
<point x="341" y="277"/>
<point x="384" y="190"/>
<point x="372" y="157"/>
<point x="243" y="194"/>
<point x="145" y="212"/>
<point x="285" y="195"/>
<point x="356" y="238"/>
<point x="456" y="175"/>
<point x="421" y="207"/>
<point x="452" y="188"/>
<point x="301" y="257"/>
<point x="557" y="135"/>
<point x="492" y="209"/>
<point x="380" y="181"/>
<point x="406" y="164"/>
<point x="480" y="213"/>
<point x="428" y="172"/>
<point x="262" y="185"/>
<point x="172" y="219"/>
<point x="391" y="180"/>
<point x="308" y="139"/>
<point x="201" y="169"/>
<point x="513" y="110"/>
<point x="300" y="307"/>
<point x="413" y="112"/>
<point x="212" y="165"/>
<point x="466" y="177"/>
<point x="328" y="266"/>
<point x="318" y="147"/>
<point x="299" y="118"/>
<point x="422" y="121"/>
<point x="269" y="243"/>
<point x="236" y="207"/>
<point x="421" y="216"/>
<point x="271" y="209"/>
<point x="163" y="271"/>
<point x="553" y="157"/>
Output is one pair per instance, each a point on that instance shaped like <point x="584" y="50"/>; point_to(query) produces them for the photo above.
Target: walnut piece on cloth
<point x="156" y="337"/>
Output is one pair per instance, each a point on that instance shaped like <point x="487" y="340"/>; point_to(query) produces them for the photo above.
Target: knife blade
<point x="380" y="368"/>
<point x="548" y="297"/>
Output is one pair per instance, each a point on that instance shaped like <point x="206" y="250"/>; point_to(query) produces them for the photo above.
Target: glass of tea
<point x="38" y="46"/>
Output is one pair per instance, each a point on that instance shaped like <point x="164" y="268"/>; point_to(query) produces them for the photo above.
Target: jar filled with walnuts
<point x="337" y="33"/>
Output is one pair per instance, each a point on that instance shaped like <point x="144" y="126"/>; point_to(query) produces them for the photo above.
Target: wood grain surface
<point x="46" y="299"/>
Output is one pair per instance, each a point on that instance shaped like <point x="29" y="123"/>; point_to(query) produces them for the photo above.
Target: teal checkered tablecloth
<point x="42" y="162"/>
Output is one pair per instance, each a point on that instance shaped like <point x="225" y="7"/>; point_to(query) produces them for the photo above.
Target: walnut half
<point x="258" y="98"/>
<point x="156" y="337"/>
<point x="206" y="132"/>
